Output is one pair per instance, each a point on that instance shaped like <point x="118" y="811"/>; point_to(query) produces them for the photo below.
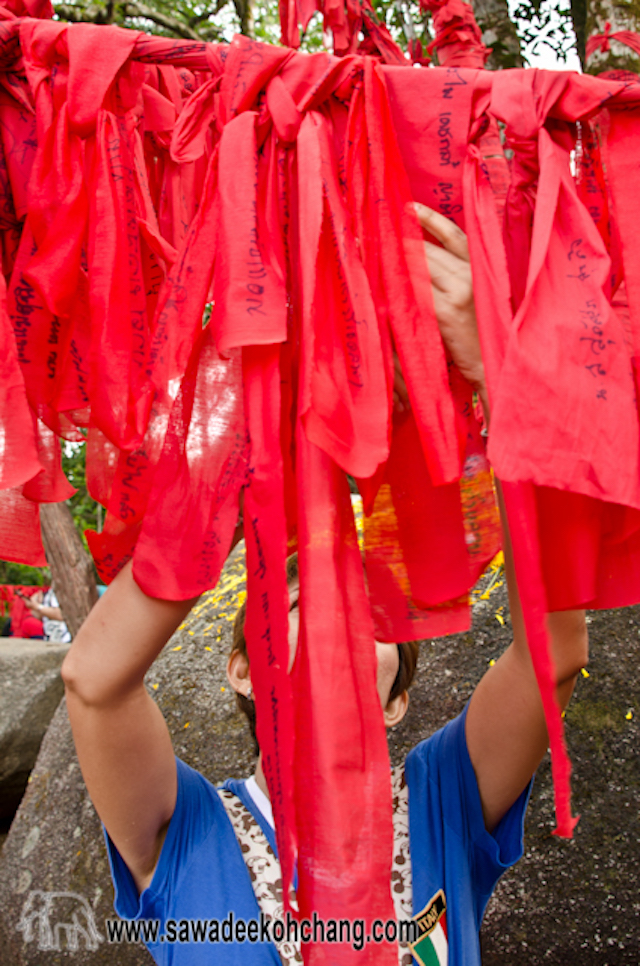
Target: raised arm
<point x="505" y="728"/>
<point x="121" y="738"/>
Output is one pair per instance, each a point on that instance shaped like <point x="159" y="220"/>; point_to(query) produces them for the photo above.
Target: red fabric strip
<point x="343" y="392"/>
<point x="19" y="459"/>
<point x="344" y="860"/>
<point x="20" y="529"/>
<point x="601" y="41"/>
<point x="267" y="624"/>
<point x="193" y="496"/>
<point x="521" y="514"/>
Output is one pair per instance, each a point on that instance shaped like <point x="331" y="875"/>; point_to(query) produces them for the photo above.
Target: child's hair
<point x="407" y="655"/>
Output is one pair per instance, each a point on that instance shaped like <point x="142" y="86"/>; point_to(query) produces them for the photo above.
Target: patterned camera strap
<point x="266" y="878"/>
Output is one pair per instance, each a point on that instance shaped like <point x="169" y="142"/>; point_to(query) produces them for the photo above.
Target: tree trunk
<point x="621" y="16"/>
<point x="244" y="9"/>
<point x="499" y="33"/>
<point x="578" y="10"/>
<point x="72" y="572"/>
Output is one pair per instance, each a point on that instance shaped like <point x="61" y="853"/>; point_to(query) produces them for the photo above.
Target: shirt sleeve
<point x="197" y="809"/>
<point x="443" y="794"/>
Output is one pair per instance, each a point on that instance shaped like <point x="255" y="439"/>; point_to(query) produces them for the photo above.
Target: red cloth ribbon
<point x="602" y="41"/>
<point x="458" y="39"/>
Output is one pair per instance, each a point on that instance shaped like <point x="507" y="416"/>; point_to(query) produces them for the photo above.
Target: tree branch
<point x="498" y="32"/>
<point x="244" y="10"/>
<point x="178" y="27"/>
<point x="76" y="14"/>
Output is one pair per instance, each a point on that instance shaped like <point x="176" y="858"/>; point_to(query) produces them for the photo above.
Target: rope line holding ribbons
<point x="158" y="178"/>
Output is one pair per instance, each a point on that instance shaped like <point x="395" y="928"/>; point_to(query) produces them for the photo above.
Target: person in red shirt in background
<point x="23" y="621"/>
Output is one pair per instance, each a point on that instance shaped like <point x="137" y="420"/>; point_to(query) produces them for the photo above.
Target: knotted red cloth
<point x="602" y="41"/>
<point x="347" y="21"/>
<point x="458" y="38"/>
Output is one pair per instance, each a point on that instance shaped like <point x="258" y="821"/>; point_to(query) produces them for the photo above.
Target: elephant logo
<point x="58" y="921"/>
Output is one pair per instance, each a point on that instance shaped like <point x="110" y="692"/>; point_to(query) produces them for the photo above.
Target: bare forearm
<point x="51" y="613"/>
<point x="506" y="730"/>
<point x="127" y="762"/>
<point x="483" y="396"/>
<point x="41" y="610"/>
<point x="121" y="738"/>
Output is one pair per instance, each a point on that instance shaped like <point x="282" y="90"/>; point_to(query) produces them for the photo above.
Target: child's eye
<point x="294" y="604"/>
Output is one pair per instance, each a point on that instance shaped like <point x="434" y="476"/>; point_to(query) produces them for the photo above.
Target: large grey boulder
<point x="31" y="689"/>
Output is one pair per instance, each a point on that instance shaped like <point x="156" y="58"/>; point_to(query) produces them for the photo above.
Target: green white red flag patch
<point x="431" y="948"/>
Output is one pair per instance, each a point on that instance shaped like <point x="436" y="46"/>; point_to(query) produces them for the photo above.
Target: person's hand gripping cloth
<point x="417" y="593"/>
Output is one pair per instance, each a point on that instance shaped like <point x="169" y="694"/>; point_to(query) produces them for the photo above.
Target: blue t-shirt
<point x="200" y="877"/>
<point x="455" y="862"/>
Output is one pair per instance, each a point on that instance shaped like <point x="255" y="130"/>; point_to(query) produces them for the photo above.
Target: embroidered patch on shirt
<point x="432" y="947"/>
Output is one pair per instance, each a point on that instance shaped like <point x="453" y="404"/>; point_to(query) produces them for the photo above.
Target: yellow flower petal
<point x="584" y="672"/>
<point x="178" y="648"/>
<point x="491" y="662"/>
<point x="187" y="724"/>
<point x="155" y="687"/>
<point x="223" y="689"/>
<point x="629" y="715"/>
<point x="207" y="648"/>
